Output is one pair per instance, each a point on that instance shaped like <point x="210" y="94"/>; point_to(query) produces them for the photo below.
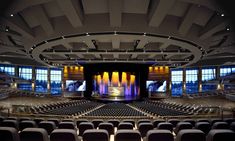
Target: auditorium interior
<point x="117" y="70"/>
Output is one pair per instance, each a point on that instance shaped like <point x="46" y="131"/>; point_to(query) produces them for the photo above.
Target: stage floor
<point x="116" y="98"/>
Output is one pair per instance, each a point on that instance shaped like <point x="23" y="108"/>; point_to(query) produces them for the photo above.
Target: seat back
<point x="127" y="135"/>
<point x="220" y="125"/>
<point x="129" y="121"/>
<point x="156" y="122"/>
<point x="27" y="124"/>
<point x="55" y="120"/>
<point x="80" y="121"/>
<point x="115" y="122"/>
<point x="10" y="123"/>
<point x="203" y="126"/>
<point x="96" y="122"/>
<point x="107" y="126"/>
<point x="49" y="126"/>
<point x="159" y="135"/>
<point x="191" y="134"/>
<point x="182" y="125"/>
<point x="232" y="126"/>
<point x="66" y="125"/>
<point x="95" y="135"/>
<point x="144" y="127"/>
<point x="125" y="125"/>
<point x="220" y="135"/>
<point x="143" y="121"/>
<point x="84" y="126"/>
<point x="165" y="126"/>
<point x="64" y="135"/>
<point x="9" y="134"/>
<point x="34" y="134"/>
<point x="174" y="122"/>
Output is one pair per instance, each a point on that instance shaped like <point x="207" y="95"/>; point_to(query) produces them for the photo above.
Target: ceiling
<point x="176" y="33"/>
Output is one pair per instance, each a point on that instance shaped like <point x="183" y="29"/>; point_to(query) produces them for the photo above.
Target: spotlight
<point x="7" y="28"/>
<point x="12" y="15"/>
<point x="227" y="28"/>
<point x="222" y="15"/>
<point x="144" y="34"/>
<point x="87" y="34"/>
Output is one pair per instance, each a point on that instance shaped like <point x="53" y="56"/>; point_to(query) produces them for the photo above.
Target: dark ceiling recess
<point x="4" y="5"/>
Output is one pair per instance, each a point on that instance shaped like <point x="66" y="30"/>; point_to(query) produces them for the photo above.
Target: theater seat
<point x="27" y="124"/>
<point x="220" y="125"/>
<point x="66" y="125"/>
<point x="144" y="127"/>
<point x="80" y="121"/>
<point x="64" y="135"/>
<point x="127" y="135"/>
<point x="203" y="126"/>
<point x="115" y="122"/>
<point x="159" y="135"/>
<point x="182" y="125"/>
<point x="34" y="134"/>
<point x="84" y="126"/>
<point x="232" y="126"/>
<point x="10" y="123"/>
<point x="96" y="122"/>
<point x="129" y="121"/>
<point x="165" y="126"/>
<point x="156" y="122"/>
<point x="9" y="134"/>
<point x="190" y="135"/>
<point x="49" y="126"/>
<point x="125" y="125"/>
<point x="95" y="135"/>
<point x="220" y="135"/>
<point x="174" y="122"/>
<point x="107" y="126"/>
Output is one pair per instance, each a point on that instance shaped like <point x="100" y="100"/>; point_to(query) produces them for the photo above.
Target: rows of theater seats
<point x="6" y="92"/>
<point x="26" y="129"/>
<point x="192" y="109"/>
<point x="116" y="110"/>
<point x="170" y="109"/>
<point x="138" y="109"/>
<point x="74" y="107"/>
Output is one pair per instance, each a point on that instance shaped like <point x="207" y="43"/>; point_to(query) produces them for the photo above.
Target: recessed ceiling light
<point x="227" y="28"/>
<point x="144" y="33"/>
<point x="87" y="34"/>
<point x="12" y="15"/>
<point x="222" y="15"/>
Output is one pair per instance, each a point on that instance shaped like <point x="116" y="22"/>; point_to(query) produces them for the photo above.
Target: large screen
<point x="75" y="85"/>
<point x="116" y="91"/>
<point x="156" y="86"/>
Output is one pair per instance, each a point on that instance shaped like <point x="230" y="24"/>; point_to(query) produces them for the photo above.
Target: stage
<point x="106" y="98"/>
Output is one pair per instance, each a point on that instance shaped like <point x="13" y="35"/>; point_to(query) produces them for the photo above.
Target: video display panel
<point x="156" y="86"/>
<point x="75" y="85"/>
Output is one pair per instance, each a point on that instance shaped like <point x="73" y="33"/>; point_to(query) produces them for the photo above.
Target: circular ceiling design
<point x="116" y="47"/>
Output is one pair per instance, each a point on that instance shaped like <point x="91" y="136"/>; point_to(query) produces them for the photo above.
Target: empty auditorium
<point x="117" y="70"/>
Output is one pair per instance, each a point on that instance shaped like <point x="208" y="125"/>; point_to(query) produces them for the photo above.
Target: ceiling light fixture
<point x="144" y="34"/>
<point x="222" y="15"/>
<point x="87" y="34"/>
<point x="12" y="15"/>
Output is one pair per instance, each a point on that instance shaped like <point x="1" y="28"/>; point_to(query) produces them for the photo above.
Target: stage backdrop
<point x="115" y="84"/>
<point x="115" y="78"/>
